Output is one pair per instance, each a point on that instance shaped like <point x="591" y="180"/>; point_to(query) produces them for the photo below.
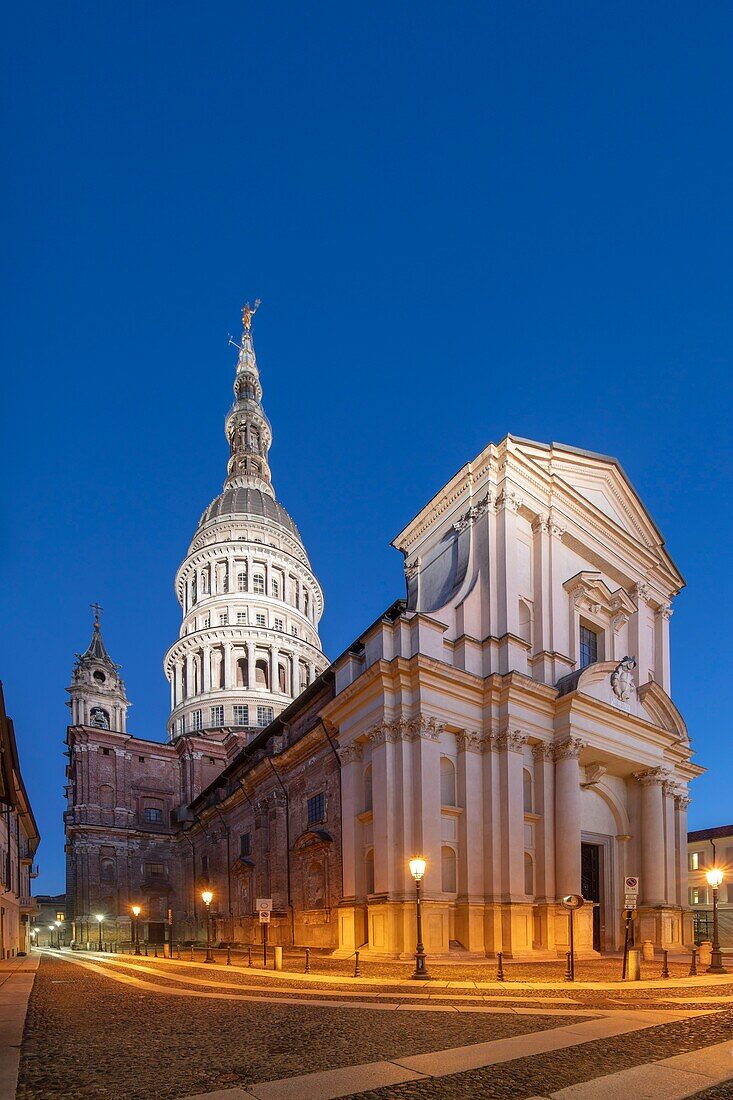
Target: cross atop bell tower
<point x="98" y="696"/>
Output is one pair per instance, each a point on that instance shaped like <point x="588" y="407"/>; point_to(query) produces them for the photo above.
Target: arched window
<point x="369" y="872"/>
<point x="262" y="675"/>
<point x="368" y="789"/>
<point x="447" y="782"/>
<point x="527" y="787"/>
<point x="242" y="582"/>
<point x="528" y="875"/>
<point x="306" y="603"/>
<point x="258" y="584"/>
<point x="242" y="672"/>
<point x="276" y="588"/>
<point x="282" y="679"/>
<point x="447" y="870"/>
<point x="193" y="589"/>
<point x="204" y="584"/>
<point x="100" y="718"/>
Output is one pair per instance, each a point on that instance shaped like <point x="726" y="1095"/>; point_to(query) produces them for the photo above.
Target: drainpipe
<point x="287" y="842"/>
<point x="341" y="801"/>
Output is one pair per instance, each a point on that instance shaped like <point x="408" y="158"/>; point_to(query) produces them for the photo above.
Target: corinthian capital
<point x="569" y="748"/>
<point x="511" y="740"/>
<point x="351" y="753"/>
<point x="653" y="777"/>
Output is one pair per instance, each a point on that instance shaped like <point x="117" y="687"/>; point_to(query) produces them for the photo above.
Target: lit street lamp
<point x="58" y="933"/>
<point x="136" y="914"/>
<point x="715" y="877"/>
<point x="50" y="935"/>
<point x="207" y="897"/>
<point x="417" y="870"/>
<point x="100" y="919"/>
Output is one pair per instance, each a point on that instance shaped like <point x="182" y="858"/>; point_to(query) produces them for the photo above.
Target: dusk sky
<point x="462" y="220"/>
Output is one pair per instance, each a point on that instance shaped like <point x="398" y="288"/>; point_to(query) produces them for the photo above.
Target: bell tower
<point x="98" y="696"/>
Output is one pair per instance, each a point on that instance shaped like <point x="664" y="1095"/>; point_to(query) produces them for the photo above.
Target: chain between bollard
<point x="307" y="960"/>
<point x="693" y="964"/>
<point x="500" y="967"/>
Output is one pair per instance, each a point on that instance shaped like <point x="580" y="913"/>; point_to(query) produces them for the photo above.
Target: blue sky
<point x="463" y="221"/>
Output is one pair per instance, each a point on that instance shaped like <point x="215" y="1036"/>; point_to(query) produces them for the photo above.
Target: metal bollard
<point x="229" y="954"/>
<point x="146" y="949"/>
<point x="178" y="952"/>
<point x="357" y="971"/>
<point x="665" y="966"/>
<point x="500" y="967"/>
<point x="249" y="954"/>
<point x="191" y="952"/>
<point x="307" y="960"/>
<point x="569" y="970"/>
<point x="155" y="950"/>
<point x="693" y="964"/>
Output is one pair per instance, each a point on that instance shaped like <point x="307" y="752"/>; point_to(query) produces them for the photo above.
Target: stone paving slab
<point x="16" y="982"/>
<point x="683" y="1075"/>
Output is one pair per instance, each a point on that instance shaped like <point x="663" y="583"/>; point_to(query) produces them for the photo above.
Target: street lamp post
<point x="50" y="935"/>
<point x="136" y="914"/>
<point x="715" y="877"/>
<point x="417" y="870"/>
<point x="206" y="897"/>
<point x="57" y="924"/>
<point x="100" y="920"/>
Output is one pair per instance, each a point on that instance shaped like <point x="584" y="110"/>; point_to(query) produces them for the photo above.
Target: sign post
<point x="264" y="908"/>
<point x="571" y="902"/>
<point x="631" y="896"/>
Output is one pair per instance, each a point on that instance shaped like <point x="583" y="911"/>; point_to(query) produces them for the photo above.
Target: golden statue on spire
<point x="248" y="313"/>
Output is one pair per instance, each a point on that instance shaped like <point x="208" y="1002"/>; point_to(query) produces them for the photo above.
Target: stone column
<point x="652" y="836"/>
<point x="189" y="675"/>
<point x="567" y="816"/>
<point x="179" y="682"/>
<point x="470" y="831"/>
<point x="227" y="666"/>
<point x="681" y="804"/>
<point x="231" y="576"/>
<point x="510" y="745"/>
<point x="384" y="800"/>
<point x="274" y="669"/>
<point x="544" y="779"/>
<point x="353" y="852"/>
<point x="670" y="843"/>
<point x="206" y="668"/>
<point x="507" y="507"/>
<point x="251" y="657"/>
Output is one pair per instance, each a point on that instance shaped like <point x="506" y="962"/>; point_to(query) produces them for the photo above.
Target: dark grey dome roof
<point x="249" y="502"/>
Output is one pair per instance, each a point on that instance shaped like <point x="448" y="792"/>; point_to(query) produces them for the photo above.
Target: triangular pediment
<point x="599" y="480"/>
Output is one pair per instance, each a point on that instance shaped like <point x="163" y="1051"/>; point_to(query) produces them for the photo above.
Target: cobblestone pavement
<point x="546" y="1073"/>
<point x="90" y="1038"/>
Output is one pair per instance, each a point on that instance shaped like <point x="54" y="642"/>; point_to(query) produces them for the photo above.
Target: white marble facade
<point x="493" y="725"/>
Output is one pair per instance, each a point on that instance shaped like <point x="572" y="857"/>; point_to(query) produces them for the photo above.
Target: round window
<point x="99" y="677"/>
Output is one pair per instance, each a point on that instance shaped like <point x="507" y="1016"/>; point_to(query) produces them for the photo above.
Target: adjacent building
<point x="19" y="839"/>
<point x="510" y="719"/>
<point x="708" y="848"/>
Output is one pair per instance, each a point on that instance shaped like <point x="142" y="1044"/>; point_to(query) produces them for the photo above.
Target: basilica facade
<point x="510" y="719"/>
